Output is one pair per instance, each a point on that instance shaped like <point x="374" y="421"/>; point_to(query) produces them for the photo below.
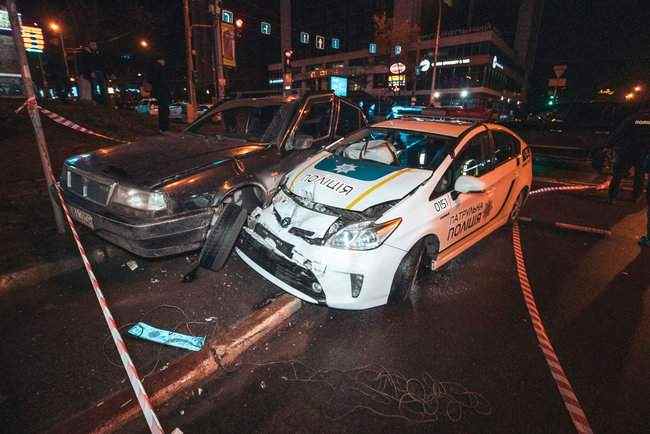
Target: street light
<point x="239" y="23"/>
<point x="56" y="28"/>
<point x="638" y="88"/>
<point x="629" y="96"/>
<point x="144" y="43"/>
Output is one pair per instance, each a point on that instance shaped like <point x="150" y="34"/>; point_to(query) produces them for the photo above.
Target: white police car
<point x="351" y="226"/>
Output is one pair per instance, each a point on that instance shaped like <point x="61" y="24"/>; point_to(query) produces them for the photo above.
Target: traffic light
<point x="551" y="100"/>
<point x="287" y="59"/>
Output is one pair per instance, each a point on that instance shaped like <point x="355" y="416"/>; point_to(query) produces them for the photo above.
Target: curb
<point x="120" y="408"/>
<point x="42" y="271"/>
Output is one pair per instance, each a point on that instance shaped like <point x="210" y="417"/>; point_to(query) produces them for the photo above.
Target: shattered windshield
<point x="395" y="147"/>
<point x="254" y="122"/>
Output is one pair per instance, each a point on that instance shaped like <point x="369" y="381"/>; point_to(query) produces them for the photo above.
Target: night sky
<point x="604" y="42"/>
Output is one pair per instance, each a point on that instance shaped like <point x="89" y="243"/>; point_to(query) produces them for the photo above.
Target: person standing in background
<point x="158" y="78"/>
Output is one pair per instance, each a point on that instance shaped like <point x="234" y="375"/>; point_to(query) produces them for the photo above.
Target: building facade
<point x="476" y="67"/>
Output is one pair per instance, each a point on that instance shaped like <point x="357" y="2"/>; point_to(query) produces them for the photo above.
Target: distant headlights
<point x="139" y="199"/>
<point x="363" y="236"/>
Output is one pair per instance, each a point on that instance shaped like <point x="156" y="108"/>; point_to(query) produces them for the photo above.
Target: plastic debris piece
<point x="132" y="265"/>
<point x="262" y="385"/>
<point x="177" y="431"/>
<point x="166" y="337"/>
<point x="154" y="280"/>
<point x="211" y="318"/>
<point x="182" y="412"/>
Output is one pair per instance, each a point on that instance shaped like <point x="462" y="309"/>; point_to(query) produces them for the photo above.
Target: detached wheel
<point x="407" y="274"/>
<point x="516" y="208"/>
<point x="222" y="237"/>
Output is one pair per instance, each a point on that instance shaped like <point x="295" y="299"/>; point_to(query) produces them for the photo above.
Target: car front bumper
<point x="331" y="269"/>
<point x="158" y="237"/>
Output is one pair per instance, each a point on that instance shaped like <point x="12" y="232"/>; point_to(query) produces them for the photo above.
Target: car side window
<point x="505" y="147"/>
<point x="317" y="121"/>
<point x="471" y="161"/>
<point x="349" y="120"/>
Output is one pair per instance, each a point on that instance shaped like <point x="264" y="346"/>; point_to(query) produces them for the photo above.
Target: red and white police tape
<point x="602" y="186"/>
<point x="131" y="371"/>
<point x="562" y="382"/>
<point x="65" y="122"/>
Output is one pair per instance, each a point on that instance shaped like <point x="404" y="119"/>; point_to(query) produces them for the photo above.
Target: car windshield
<point x="395" y="147"/>
<point x="253" y="122"/>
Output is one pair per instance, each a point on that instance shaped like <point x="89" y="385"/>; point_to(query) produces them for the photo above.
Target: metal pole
<point x="285" y="41"/>
<point x="435" y="55"/>
<point x="65" y="58"/>
<point x="44" y="78"/>
<point x="191" y="106"/>
<point x="221" y="81"/>
<point x="28" y="85"/>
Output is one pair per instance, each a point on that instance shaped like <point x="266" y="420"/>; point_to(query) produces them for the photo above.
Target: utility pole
<point x="65" y="57"/>
<point x="191" y="93"/>
<point x="32" y="108"/>
<point x="285" y="43"/>
<point x="435" y="55"/>
<point x="221" y="81"/>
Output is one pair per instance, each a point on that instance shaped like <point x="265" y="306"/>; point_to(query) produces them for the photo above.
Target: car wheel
<point x="222" y="237"/>
<point x="517" y="206"/>
<point x="406" y="275"/>
<point x="245" y="198"/>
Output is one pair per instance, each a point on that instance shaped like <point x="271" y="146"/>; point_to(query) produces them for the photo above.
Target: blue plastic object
<point x="166" y="337"/>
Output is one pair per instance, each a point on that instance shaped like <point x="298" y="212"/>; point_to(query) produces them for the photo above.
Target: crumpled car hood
<point x="354" y="185"/>
<point x="152" y="161"/>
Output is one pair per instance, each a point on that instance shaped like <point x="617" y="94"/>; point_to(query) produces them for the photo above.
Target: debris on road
<point x="177" y="431"/>
<point x="166" y="337"/>
<point x="132" y="265"/>
<point x="154" y="280"/>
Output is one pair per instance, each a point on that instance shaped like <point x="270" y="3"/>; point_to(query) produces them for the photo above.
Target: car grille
<point x="88" y="188"/>
<point x="282" y="246"/>
<point x="293" y="275"/>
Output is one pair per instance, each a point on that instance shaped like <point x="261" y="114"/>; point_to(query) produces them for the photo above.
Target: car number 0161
<point x="441" y="204"/>
<point x="82" y="217"/>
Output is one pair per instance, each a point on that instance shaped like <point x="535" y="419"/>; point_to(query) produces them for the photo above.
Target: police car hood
<point x="352" y="184"/>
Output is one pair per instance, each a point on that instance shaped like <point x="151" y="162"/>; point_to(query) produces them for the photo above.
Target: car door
<point x="504" y="168"/>
<point x="350" y="118"/>
<point x="468" y="211"/>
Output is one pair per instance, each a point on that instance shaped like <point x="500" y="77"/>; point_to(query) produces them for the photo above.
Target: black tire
<point x="407" y="274"/>
<point x="245" y="198"/>
<point x="222" y="237"/>
<point x="516" y="207"/>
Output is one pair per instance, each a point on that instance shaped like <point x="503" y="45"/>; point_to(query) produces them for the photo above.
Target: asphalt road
<point x="465" y="339"/>
<point x="465" y="342"/>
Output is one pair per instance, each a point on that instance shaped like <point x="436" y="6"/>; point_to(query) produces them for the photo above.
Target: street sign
<point x="320" y="42"/>
<point x="559" y="70"/>
<point x="304" y="37"/>
<point x="336" y="43"/>
<point x="425" y="64"/>
<point x="265" y="28"/>
<point x="496" y="64"/>
<point x="557" y="82"/>
<point x="227" y="16"/>
<point x="397" y="68"/>
<point x="398" y="50"/>
<point x="33" y="39"/>
<point x="372" y="48"/>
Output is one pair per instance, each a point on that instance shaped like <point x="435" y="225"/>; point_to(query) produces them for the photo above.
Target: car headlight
<point x="363" y="236"/>
<point x="139" y="199"/>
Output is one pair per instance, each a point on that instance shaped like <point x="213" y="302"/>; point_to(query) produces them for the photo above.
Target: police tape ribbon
<point x="603" y="185"/>
<point x="31" y="101"/>
<point x="569" y="397"/>
<point x="68" y="123"/>
<point x="131" y="371"/>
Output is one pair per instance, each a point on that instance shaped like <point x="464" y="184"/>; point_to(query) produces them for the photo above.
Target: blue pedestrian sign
<point x="336" y="43"/>
<point x="265" y="28"/>
<point x="304" y="37"/>
<point x="227" y="16"/>
<point x="372" y="48"/>
<point x="398" y="50"/>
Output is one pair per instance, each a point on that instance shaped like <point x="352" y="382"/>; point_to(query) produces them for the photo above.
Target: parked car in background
<point x="161" y="195"/>
<point x="178" y="110"/>
<point x="147" y="106"/>
<point x="576" y="131"/>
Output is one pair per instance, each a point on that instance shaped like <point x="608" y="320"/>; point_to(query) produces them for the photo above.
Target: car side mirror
<point x="302" y="141"/>
<point x="469" y="184"/>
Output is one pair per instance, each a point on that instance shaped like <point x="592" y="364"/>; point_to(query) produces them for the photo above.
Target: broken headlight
<point x="364" y="235"/>
<point x="139" y="199"/>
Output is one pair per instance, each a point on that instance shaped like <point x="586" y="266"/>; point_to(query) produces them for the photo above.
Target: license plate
<point x="82" y="217"/>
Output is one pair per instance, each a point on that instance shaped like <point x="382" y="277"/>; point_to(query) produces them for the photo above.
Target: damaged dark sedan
<point x="159" y="196"/>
